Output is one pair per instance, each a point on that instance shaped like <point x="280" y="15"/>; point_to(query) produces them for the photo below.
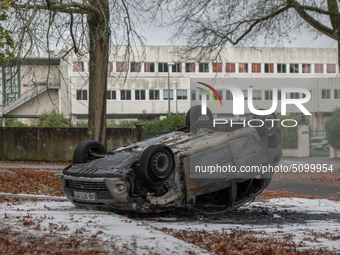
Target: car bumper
<point x="107" y="193"/>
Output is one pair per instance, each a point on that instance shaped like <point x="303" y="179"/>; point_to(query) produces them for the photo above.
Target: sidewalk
<point x="33" y="166"/>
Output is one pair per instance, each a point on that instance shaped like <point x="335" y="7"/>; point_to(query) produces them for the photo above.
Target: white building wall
<point x="157" y="80"/>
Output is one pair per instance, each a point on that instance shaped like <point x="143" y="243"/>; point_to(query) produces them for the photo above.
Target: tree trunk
<point x="99" y="55"/>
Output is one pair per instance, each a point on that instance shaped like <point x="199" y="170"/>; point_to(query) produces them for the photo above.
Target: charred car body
<point x="158" y="173"/>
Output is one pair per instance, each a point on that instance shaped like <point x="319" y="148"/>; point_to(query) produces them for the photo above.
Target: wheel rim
<point x="160" y="164"/>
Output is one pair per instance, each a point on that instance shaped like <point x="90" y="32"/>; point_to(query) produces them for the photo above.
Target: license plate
<point x="85" y="196"/>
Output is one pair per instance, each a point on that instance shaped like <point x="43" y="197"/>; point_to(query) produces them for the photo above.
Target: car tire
<point x="194" y="113"/>
<point x="81" y="154"/>
<point x="156" y="164"/>
<point x="265" y="129"/>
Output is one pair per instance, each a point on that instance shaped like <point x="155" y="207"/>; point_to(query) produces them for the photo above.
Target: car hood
<point x="109" y="166"/>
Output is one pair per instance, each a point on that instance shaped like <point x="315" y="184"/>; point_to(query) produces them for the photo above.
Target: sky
<point x="305" y="40"/>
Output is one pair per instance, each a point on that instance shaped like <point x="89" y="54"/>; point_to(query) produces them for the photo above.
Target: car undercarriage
<point x="160" y="173"/>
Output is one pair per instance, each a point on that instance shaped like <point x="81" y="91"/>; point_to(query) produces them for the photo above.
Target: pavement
<point x="33" y="166"/>
<point x="317" y="188"/>
<point x="307" y="187"/>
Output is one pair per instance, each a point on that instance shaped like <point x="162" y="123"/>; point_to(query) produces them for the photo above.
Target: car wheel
<point x="194" y="114"/>
<point x="269" y="127"/>
<point x="156" y="164"/>
<point x="82" y="153"/>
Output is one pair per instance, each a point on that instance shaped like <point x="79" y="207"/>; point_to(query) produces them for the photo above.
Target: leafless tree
<point x="210" y="24"/>
<point x="83" y="28"/>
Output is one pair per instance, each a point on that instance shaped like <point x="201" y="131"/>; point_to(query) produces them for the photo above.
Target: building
<point x="138" y="88"/>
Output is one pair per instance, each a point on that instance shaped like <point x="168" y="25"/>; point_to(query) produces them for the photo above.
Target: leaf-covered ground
<point x="21" y="232"/>
<point x="243" y="242"/>
<point x="30" y="181"/>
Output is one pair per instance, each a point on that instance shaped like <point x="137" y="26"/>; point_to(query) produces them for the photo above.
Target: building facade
<point x="138" y="86"/>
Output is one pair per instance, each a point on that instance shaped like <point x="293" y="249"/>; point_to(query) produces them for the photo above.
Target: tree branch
<point x="54" y="6"/>
<point x="311" y="21"/>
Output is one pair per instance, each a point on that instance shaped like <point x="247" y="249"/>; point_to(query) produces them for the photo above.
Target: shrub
<point x="290" y="134"/>
<point x="167" y="124"/>
<point x="13" y="122"/>
<point x="332" y="127"/>
<point x="53" y="119"/>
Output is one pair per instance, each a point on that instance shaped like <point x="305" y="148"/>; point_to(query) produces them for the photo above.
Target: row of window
<point x="216" y="67"/>
<point x="140" y="94"/>
<point x="327" y="94"/>
<point x="154" y="94"/>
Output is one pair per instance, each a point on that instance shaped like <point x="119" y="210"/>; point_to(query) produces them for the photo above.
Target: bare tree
<point x="86" y="27"/>
<point x="215" y="23"/>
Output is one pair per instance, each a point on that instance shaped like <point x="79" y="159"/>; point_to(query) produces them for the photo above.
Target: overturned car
<point x="167" y="171"/>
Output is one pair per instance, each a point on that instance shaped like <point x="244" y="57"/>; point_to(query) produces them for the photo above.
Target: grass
<point x="319" y="153"/>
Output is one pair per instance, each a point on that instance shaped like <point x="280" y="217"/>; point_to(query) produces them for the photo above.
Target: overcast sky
<point x="306" y="40"/>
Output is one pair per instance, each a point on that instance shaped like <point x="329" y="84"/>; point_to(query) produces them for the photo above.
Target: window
<point x="203" y="93"/>
<point x="121" y="67"/>
<point x="220" y="93"/>
<point x="281" y="68"/>
<point x="256" y="68"/>
<point x="189" y="67"/>
<point x="149" y="67"/>
<point x="337" y="94"/>
<point x="154" y="94"/>
<point x="125" y="94"/>
<point x="318" y="68"/>
<point x="217" y="67"/>
<point x="78" y="66"/>
<point x="294" y="68"/>
<point x="177" y="68"/>
<point x="193" y="94"/>
<point x="139" y="94"/>
<point x="330" y="68"/>
<point x="279" y="95"/>
<point x="182" y="94"/>
<point x="268" y="95"/>
<point x="135" y="67"/>
<point x="111" y="95"/>
<point x="326" y="94"/>
<point x="82" y="94"/>
<point x="257" y="95"/>
<point x="293" y="95"/>
<point x="306" y="68"/>
<point x="162" y="67"/>
<point x="269" y="68"/>
<point x="245" y="93"/>
<point x="109" y="67"/>
<point x="165" y="94"/>
<point x="204" y="67"/>
<point x="230" y="67"/>
<point x="11" y="83"/>
<point x="243" y="68"/>
<point x="229" y="95"/>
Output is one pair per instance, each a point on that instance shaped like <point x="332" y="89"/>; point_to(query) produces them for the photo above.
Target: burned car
<point x="160" y="173"/>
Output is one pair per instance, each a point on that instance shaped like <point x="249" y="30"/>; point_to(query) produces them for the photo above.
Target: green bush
<point x="290" y="134"/>
<point x="53" y="119"/>
<point x="167" y="124"/>
<point x="332" y="127"/>
<point x="13" y="122"/>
